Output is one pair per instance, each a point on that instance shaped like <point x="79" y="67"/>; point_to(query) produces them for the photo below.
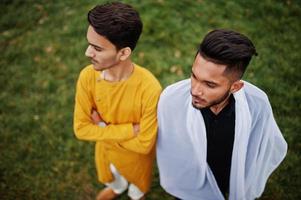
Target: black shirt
<point x="220" y="139"/>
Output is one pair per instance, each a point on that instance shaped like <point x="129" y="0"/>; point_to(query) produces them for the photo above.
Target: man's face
<point x="209" y="85"/>
<point x="102" y="52"/>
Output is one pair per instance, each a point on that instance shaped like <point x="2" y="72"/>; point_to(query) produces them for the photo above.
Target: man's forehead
<point x="201" y="62"/>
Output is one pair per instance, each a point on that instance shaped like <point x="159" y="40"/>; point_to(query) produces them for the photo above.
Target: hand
<point x="136" y="128"/>
<point x="95" y="117"/>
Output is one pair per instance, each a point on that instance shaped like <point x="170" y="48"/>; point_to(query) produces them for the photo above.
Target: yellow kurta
<point x="120" y="104"/>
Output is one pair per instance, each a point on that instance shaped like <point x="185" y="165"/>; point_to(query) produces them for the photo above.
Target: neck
<point x="120" y="72"/>
<point x="217" y="108"/>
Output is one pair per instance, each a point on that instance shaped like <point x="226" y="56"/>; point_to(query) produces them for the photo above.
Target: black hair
<point x="118" y="22"/>
<point x="229" y="48"/>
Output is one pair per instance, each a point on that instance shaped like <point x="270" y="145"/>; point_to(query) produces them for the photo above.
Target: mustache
<point x="92" y="60"/>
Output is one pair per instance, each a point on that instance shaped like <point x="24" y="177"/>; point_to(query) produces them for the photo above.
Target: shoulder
<point x="254" y="93"/>
<point x="257" y="99"/>
<point x="177" y="89"/>
<point x="87" y="72"/>
<point x="175" y="95"/>
<point x="147" y="79"/>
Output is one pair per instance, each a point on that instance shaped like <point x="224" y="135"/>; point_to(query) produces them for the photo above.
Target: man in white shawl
<point x="218" y="138"/>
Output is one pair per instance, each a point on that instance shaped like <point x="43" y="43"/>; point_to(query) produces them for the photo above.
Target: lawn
<point x="42" y="52"/>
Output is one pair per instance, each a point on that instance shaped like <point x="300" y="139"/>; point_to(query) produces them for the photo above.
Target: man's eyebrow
<point x="192" y="73"/>
<point x="206" y="81"/>
<point x="210" y="82"/>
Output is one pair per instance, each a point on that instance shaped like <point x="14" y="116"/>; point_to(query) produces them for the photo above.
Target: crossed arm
<point x="97" y="120"/>
<point x="84" y="127"/>
<point x="145" y="133"/>
<point x="139" y="138"/>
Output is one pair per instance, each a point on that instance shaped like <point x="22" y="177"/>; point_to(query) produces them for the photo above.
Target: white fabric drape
<point x="258" y="148"/>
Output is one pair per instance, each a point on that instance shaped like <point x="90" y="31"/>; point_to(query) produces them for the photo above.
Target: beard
<point x="104" y="63"/>
<point x="215" y="102"/>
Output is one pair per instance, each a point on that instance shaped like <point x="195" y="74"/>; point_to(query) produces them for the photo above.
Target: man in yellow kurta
<point x="116" y="101"/>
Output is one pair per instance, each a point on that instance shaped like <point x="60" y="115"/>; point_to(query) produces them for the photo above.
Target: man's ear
<point x="237" y="85"/>
<point x="124" y="53"/>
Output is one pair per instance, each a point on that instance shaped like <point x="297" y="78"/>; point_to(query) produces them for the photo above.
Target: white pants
<point x="120" y="184"/>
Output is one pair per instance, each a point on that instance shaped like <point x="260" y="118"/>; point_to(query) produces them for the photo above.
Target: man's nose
<point x="196" y="89"/>
<point x="89" y="52"/>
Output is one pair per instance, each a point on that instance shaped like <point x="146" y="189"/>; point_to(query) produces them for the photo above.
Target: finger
<point x="95" y="117"/>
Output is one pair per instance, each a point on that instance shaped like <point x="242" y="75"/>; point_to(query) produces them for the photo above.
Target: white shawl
<point x="258" y="148"/>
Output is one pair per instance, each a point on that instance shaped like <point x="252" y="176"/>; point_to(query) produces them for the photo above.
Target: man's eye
<point x="211" y="85"/>
<point x="97" y="49"/>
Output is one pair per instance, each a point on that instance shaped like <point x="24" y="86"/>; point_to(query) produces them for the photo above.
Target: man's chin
<point x="198" y="106"/>
<point x="96" y="68"/>
<point x="201" y="104"/>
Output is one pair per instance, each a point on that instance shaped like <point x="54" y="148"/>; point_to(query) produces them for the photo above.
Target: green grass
<point x="42" y="52"/>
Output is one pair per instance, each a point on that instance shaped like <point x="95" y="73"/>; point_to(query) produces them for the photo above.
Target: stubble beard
<point x="213" y="103"/>
<point x="98" y="67"/>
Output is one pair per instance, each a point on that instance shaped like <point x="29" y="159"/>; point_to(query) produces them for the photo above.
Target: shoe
<point x="106" y="194"/>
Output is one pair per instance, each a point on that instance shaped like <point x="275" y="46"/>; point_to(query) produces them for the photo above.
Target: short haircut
<point x="118" y="22"/>
<point x="228" y="48"/>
